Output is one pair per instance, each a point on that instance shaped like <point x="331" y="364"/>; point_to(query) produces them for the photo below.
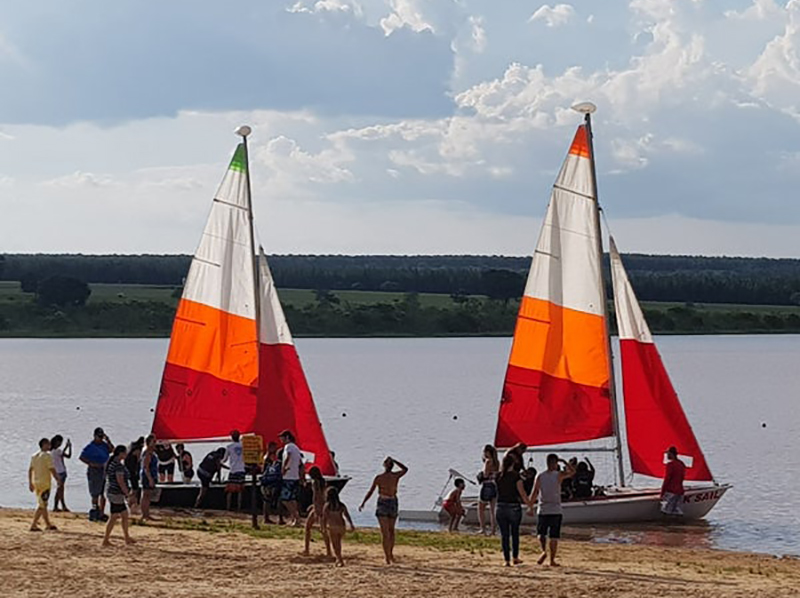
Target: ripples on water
<point x="433" y="404"/>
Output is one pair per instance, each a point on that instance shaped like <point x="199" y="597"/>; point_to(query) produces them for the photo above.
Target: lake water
<point x="432" y="403"/>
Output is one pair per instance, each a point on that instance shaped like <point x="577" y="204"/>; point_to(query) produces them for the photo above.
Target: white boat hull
<point x="625" y="505"/>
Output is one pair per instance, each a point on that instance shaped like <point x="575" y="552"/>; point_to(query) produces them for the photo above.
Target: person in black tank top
<point x="510" y="497"/>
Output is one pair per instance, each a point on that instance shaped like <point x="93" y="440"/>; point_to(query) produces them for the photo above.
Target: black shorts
<point x="205" y="479"/>
<point x="168" y="468"/>
<point x="549" y="526"/>
<point x="117" y="507"/>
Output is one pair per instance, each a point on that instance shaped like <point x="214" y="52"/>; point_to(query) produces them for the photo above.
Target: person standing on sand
<point x="387" y="509"/>
<point x="315" y="512"/>
<point x="488" y="495"/>
<point x="149" y="475"/>
<point x="133" y="463"/>
<point x="118" y="490"/>
<point x="547" y="488"/>
<point x="95" y="456"/>
<point x="334" y="514"/>
<point x="40" y="471"/>
<point x="510" y="496"/>
<point x="271" y="483"/>
<point x="291" y="472"/>
<point x="672" y="488"/>
<point x="234" y="457"/>
<point x="59" y="455"/>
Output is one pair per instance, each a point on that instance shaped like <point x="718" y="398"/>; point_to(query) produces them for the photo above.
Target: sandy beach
<point x="218" y="558"/>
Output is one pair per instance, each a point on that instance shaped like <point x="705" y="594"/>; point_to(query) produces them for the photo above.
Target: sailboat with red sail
<point x="559" y="392"/>
<point x="232" y="363"/>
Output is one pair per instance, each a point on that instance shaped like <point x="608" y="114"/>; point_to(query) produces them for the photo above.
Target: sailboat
<point x="559" y="388"/>
<point x="232" y="363"/>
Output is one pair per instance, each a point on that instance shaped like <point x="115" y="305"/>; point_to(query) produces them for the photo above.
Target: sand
<point x="172" y="562"/>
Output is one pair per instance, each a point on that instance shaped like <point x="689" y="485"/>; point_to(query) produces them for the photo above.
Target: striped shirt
<point x="112" y="469"/>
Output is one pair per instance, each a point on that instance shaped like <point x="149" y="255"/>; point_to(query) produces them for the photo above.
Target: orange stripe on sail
<point x="580" y="144"/>
<point x="212" y="341"/>
<point x="560" y="342"/>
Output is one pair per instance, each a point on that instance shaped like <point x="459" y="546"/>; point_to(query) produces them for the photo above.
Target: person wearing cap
<point x="95" y="456"/>
<point x="672" y="488"/>
<point x="292" y="472"/>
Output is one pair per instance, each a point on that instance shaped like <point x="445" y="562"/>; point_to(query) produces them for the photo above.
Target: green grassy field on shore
<point x="125" y="310"/>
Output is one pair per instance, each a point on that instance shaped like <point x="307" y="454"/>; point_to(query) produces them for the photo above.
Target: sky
<point x="398" y="126"/>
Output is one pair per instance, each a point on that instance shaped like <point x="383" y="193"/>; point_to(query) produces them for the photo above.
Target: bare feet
<point x="35" y="528"/>
<point x="507" y="564"/>
<point x="306" y="553"/>
<point x="52" y="528"/>
<point x="554" y="564"/>
<point x="106" y="544"/>
<point x="130" y="541"/>
<point x="340" y="563"/>
<point x="542" y="559"/>
<point x="517" y="561"/>
<point x="56" y="510"/>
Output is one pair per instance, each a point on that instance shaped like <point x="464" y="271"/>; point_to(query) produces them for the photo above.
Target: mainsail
<point x="211" y="374"/>
<point x="284" y="397"/>
<point x="653" y="413"/>
<point x="556" y="388"/>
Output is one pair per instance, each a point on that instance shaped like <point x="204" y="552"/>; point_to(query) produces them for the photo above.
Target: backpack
<point x="272" y="475"/>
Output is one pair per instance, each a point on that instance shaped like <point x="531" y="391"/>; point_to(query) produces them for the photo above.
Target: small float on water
<point x="232" y="363"/>
<point x="559" y="388"/>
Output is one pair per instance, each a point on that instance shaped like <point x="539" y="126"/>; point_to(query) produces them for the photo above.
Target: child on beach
<point x="315" y="512"/>
<point x="58" y="454"/>
<point x="39" y="473"/>
<point x="334" y="514"/>
<point x="453" y="506"/>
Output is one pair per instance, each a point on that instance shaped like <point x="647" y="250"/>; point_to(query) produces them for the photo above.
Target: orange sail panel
<point x="556" y="388"/>
<point x="654" y="416"/>
<point x="284" y="397"/>
<point x="211" y="373"/>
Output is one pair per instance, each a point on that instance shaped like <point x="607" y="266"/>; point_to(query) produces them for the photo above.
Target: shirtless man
<point x="386" y="511"/>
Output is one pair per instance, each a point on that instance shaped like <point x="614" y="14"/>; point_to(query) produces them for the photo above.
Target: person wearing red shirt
<point x="672" y="488"/>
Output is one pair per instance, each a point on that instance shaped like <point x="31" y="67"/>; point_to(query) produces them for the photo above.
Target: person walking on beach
<point x="488" y="494"/>
<point x="118" y="490"/>
<point x="59" y="454"/>
<point x="334" y="514"/>
<point x="40" y="471"/>
<point x="510" y="496"/>
<point x="95" y="456"/>
<point x="291" y="472"/>
<point x="547" y="489"/>
<point x="315" y="512"/>
<point x="209" y="467"/>
<point x="149" y="475"/>
<point x="672" y="490"/>
<point x="234" y="457"/>
<point x="271" y="483"/>
<point x="387" y="509"/>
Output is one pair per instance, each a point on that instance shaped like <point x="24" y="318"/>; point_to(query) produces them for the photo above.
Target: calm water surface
<point x="432" y="403"/>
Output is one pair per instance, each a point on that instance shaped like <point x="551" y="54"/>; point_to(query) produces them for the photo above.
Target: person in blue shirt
<point x="95" y="456"/>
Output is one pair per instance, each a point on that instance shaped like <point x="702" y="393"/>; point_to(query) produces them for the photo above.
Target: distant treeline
<point x="754" y="281"/>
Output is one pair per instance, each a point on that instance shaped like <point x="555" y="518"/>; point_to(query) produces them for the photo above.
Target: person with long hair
<point x="117" y="491"/>
<point x="149" y="475"/>
<point x="488" y="495"/>
<point x="334" y="514"/>
<point x="59" y="454"/>
<point x="133" y="463"/>
<point x="315" y="512"/>
<point x="387" y="509"/>
<point x="510" y="498"/>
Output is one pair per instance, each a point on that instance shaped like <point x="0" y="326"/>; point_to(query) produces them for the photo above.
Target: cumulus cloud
<point x="553" y="16"/>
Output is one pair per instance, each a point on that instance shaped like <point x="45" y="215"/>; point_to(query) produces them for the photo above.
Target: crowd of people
<point x="125" y="478"/>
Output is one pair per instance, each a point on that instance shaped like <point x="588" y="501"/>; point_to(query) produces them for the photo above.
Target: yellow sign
<point x="253" y="449"/>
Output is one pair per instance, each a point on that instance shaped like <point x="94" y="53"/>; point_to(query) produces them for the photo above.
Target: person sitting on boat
<point x="567" y="490"/>
<point x="517" y="452"/>
<point x="293" y="472"/>
<point x="166" y="462"/>
<point x="452" y="504"/>
<point x="583" y="481"/>
<point x="186" y="462"/>
<point x="672" y="488"/>
<point x="549" y="514"/>
<point x="234" y="457"/>
<point x="387" y="509"/>
<point x="528" y="476"/>
<point x="271" y="483"/>
<point x="488" y="495"/>
<point x="210" y="466"/>
<point x="335" y="464"/>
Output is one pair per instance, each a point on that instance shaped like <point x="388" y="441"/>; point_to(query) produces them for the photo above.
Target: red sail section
<point x="285" y="403"/>
<point x="655" y="418"/>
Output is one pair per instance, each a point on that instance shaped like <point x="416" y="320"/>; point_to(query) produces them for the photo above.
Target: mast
<point x="244" y="131"/>
<point x="587" y="109"/>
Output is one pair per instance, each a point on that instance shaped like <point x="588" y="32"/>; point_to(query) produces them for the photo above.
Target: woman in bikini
<point x="387" y="508"/>
<point x="334" y="514"/>
<point x="315" y="512"/>
<point x="487" y="478"/>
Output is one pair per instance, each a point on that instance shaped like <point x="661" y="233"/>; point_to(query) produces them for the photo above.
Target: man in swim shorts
<point x="40" y="472"/>
<point x="386" y="511"/>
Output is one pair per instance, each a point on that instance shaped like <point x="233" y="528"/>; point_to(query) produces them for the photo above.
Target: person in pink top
<point x="672" y="488"/>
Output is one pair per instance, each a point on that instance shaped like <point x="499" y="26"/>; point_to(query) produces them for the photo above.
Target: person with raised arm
<point x="387" y="509"/>
<point x="547" y="489"/>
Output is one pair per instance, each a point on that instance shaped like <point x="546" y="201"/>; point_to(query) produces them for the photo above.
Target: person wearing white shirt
<point x="234" y="457"/>
<point x="59" y="454"/>
<point x="293" y="471"/>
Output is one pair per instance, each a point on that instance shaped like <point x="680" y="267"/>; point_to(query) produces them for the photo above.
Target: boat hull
<point x="618" y="506"/>
<point x="183" y="496"/>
